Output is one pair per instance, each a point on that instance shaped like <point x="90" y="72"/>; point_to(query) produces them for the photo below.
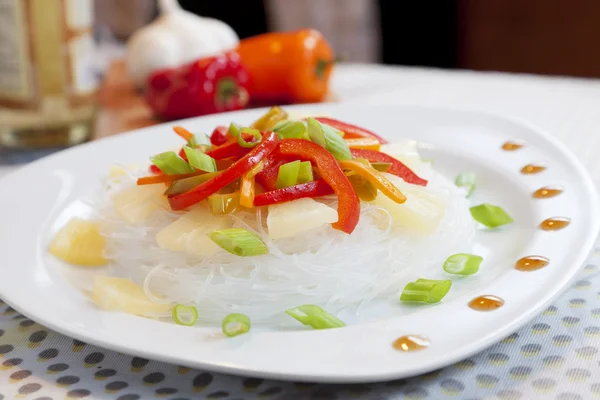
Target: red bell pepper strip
<point x="312" y="189"/>
<point x="155" y="170"/>
<point x="332" y="174"/>
<point x="351" y="131"/>
<point x="229" y="149"/>
<point x="205" y="86"/>
<point x="267" y="178"/>
<point x="240" y="167"/>
<point x="219" y="136"/>
<point x="397" y="168"/>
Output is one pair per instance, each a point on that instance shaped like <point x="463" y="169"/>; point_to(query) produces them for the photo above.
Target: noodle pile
<point x="324" y="267"/>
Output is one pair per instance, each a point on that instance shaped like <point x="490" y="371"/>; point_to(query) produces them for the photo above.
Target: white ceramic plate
<point x="39" y="198"/>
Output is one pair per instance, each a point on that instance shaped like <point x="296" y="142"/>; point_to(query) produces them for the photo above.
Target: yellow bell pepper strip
<point x="330" y="171"/>
<point x="248" y="186"/>
<point x="375" y="178"/>
<point x="364" y="143"/>
<point x="239" y="168"/>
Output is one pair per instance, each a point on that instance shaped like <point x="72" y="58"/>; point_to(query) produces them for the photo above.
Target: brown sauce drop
<point x="555" y="223"/>
<point x="531" y="263"/>
<point x="546" y="192"/>
<point x="530" y="169"/>
<point x="511" y="146"/>
<point x="486" y="302"/>
<point x="410" y="343"/>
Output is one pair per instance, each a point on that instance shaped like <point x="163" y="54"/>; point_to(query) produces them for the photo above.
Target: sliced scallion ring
<point x="466" y="180"/>
<point x="329" y="138"/>
<point x="305" y="173"/>
<point x="249" y="131"/>
<point x="184" y="315"/>
<point x="170" y="163"/>
<point x="199" y="160"/>
<point x="462" y="264"/>
<point x="315" y="316"/>
<point x="426" y="290"/>
<point x="200" y="141"/>
<point x="287" y="129"/>
<point x="288" y="174"/>
<point x="490" y="215"/>
<point x="240" y="242"/>
<point x="235" y="324"/>
<point x="234" y="129"/>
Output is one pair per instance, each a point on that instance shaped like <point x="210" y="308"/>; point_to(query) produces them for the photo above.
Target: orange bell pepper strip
<point x="364" y="143"/>
<point x="288" y="66"/>
<point x="396" y="168"/>
<point x="332" y="174"/>
<point x="375" y="178"/>
<point x="350" y="131"/>
<point x="187" y="199"/>
<point x="312" y="189"/>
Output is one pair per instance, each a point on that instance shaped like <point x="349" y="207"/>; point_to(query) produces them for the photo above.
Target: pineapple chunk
<point x="405" y="152"/>
<point x="188" y="232"/>
<point x="119" y="294"/>
<point x="422" y="211"/>
<point x="79" y="242"/>
<point x="294" y="217"/>
<point x="136" y="203"/>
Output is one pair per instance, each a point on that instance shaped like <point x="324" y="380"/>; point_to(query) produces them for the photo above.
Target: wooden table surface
<point x="121" y="107"/>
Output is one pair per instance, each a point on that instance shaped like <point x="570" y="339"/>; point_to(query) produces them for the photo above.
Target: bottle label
<point x="46" y="53"/>
<point x="16" y="83"/>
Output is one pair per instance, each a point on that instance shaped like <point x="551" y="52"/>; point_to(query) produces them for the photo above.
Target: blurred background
<point x="64" y="79"/>
<point x="534" y="36"/>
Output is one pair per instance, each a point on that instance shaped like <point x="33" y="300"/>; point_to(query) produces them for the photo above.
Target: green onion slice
<point x="426" y="290"/>
<point x="462" y="264"/>
<point x="381" y="166"/>
<point x="327" y="137"/>
<point x="240" y="242"/>
<point x="288" y="174"/>
<point x="186" y="184"/>
<point x="287" y="129"/>
<point x="235" y="324"/>
<point x="466" y="180"/>
<point x="199" y="160"/>
<point x="490" y="215"/>
<point x="224" y="203"/>
<point x="305" y="173"/>
<point x="201" y="141"/>
<point x="184" y="315"/>
<point x="170" y="163"/>
<point x="255" y="134"/>
<point x="315" y="316"/>
<point x="234" y="129"/>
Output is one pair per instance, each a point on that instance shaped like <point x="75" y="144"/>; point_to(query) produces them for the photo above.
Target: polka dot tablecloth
<point x="555" y="356"/>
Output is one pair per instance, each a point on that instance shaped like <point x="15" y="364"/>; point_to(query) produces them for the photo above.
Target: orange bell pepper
<point x="287" y="66"/>
<point x="375" y="178"/>
<point x="396" y="168"/>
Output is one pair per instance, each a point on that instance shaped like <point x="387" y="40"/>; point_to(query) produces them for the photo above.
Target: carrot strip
<point x="151" y="180"/>
<point x="184" y="133"/>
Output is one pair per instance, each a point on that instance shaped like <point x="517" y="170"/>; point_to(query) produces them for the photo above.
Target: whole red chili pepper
<point x="332" y="174"/>
<point x="246" y="163"/>
<point x="351" y="131"/>
<point x="397" y="168"/>
<point x="312" y="189"/>
<point x="206" y="86"/>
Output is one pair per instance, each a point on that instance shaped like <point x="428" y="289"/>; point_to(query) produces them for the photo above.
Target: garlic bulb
<point x="175" y="38"/>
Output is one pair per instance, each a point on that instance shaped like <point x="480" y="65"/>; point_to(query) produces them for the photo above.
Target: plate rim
<point x="582" y="173"/>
